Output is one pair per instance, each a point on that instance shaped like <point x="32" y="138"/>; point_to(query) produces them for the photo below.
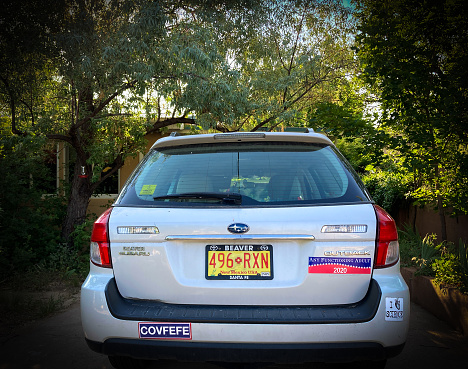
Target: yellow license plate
<point x="233" y="262"/>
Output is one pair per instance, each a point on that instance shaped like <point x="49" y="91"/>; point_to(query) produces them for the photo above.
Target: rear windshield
<point x="245" y="174"/>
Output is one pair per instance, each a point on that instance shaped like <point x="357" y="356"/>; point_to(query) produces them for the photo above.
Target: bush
<point x="29" y="222"/>
<point x="446" y="262"/>
<point x="451" y="270"/>
<point x="387" y="188"/>
<point x="410" y="245"/>
<point x="417" y="251"/>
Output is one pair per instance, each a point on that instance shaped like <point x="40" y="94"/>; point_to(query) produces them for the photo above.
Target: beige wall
<point x="427" y="221"/>
<point x="97" y="205"/>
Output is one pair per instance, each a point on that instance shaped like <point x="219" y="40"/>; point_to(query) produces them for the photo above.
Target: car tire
<point x="125" y="362"/>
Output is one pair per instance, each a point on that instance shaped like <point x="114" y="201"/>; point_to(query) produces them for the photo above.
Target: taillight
<point x="388" y="249"/>
<point x="100" y="247"/>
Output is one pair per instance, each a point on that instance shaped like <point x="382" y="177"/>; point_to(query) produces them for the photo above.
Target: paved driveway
<point x="58" y="343"/>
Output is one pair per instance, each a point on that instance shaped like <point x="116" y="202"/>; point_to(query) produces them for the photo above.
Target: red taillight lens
<point x="388" y="249"/>
<point x="100" y="247"/>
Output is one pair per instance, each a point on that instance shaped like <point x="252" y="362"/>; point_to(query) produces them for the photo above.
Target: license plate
<point x="245" y="262"/>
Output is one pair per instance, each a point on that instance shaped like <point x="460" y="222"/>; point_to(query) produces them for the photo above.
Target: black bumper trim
<point x="247" y="353"/>
<point x="144" y="310"/>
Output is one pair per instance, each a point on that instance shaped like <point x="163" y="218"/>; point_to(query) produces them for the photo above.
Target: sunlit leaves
<point x="412" y="52"/>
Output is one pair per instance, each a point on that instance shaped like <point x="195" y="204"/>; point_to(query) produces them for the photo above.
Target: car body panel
<point x="174" y="271"/>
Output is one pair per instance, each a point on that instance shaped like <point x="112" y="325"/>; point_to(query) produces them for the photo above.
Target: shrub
<point x="451" y="270"/>
<point x="417" y="251"/>
<point x="387" y="188"/>
<point x="29" y="222"/>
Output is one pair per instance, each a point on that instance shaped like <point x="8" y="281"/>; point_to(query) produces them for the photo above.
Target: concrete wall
<point x="447" y="304"/>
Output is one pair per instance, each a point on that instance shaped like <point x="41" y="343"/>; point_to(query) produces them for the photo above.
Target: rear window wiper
<point x="226" y="198"/>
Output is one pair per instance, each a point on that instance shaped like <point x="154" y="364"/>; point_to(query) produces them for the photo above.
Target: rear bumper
<point x="340" y="333"/>
<point x="143" y="310"/>
<point x="247" y="353"/>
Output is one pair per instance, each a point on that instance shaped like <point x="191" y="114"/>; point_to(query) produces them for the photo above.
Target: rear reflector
<point x="388" y="249"/>
<point x="100" y="247"/>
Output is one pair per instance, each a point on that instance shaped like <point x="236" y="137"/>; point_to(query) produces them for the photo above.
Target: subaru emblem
<point x="238" y="228"/>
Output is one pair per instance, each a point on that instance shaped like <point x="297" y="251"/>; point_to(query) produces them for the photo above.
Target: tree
<point x="26" y="57"/>
<point x="298" y="57"/>
<point x="122" y="68"/>
<point x="415" y="54"/>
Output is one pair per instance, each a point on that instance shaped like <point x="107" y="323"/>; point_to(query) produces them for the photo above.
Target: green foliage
<point x="414" y="54"/>
<point x="340" y="121"/>
<point x="429" y="254"/>
<point x="410" y="245"/>
<point x="418" y="251"/>
<point x="388" y="188"/>
<point x="29" y="221"/>
<point x="451" y="270"/>
<point x="448" y="272"/>
<point x="446" y="262"/>
<point x="82" y="234"/>
<point x="117" y="70"/>
<point x="356" y="151"/>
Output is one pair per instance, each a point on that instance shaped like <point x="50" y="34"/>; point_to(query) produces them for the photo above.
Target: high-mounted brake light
<point x="388" y="249"/>
<point x="100" y="246"/>
<point x="238" y="135"/>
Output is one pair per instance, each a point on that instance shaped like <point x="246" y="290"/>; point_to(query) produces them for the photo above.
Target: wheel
<point x="125" y="362"/>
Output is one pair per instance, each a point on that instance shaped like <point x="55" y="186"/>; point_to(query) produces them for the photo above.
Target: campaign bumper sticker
<point x="175" y="331"/>
<point x="394" y="309"/>
<point x="334" y="265"/>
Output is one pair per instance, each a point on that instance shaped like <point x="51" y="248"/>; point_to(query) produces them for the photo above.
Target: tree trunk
<point x="443" y="223"/>
<point x="78" y="202"/>
<point x="413" y="223"/>
<point x="440" y="206"/>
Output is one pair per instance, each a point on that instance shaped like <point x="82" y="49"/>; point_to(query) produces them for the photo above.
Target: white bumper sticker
<point x="394" y="309"/>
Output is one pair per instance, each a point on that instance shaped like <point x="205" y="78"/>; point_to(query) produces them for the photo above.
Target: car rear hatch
<point x="291" y="255"/>
<point x="246" y="218"/>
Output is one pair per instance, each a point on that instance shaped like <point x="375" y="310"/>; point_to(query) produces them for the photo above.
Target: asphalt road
<point x="58" y="343"/>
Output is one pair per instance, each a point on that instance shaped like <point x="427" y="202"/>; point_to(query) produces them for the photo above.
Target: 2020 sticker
<point x="334" y="265"/>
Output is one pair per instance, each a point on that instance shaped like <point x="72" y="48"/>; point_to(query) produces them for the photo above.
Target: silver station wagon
<point x="252" y="247"/>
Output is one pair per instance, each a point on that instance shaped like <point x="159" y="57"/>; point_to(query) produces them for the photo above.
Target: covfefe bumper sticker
<point x="175" y="331"/>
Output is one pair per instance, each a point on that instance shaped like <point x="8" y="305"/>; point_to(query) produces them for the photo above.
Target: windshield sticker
<point x="175" y="331"/>
<point x="394" y="309"/>
<point x="329" y="265"/>
<point x="147" y="190"/>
